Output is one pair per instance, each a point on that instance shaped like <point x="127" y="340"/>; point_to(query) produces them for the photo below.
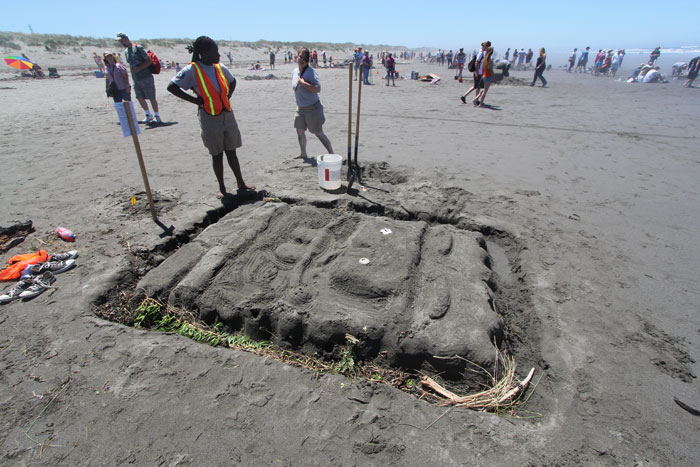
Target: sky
<point x="448" y="24"/>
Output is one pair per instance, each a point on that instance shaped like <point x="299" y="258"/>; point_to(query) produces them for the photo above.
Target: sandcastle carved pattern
<point x="292" y="274"/>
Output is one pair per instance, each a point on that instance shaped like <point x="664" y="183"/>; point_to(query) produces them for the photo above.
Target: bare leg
<point x="301" y="136"/>
<point x="483" y="93"/>
<point x="325" y="141"/>
<point x="154" y="104"/>
<point x="218" y="165"/>
<point x="142" y="101"/>
<point x="236" y="168"/>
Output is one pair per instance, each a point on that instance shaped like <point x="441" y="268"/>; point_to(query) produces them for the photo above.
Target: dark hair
<point x="304" y="53"/>
<point x="200" y="44"/>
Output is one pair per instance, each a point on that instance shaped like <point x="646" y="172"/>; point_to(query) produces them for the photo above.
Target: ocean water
<point x="633" y="57"/>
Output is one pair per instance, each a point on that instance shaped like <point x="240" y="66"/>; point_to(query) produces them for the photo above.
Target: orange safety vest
<point x="214" y="101"/>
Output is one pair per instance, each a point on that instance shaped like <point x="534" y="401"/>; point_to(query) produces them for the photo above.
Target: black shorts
<point x="478" y="82"/>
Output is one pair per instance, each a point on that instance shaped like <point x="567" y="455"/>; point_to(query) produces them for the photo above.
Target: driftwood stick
<point x="520" y="387"/>
<point x="427" y="381"/>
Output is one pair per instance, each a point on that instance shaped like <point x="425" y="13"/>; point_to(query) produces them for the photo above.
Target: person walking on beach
<point x="583" y="61"/>
<point x="540" y="67"/>
<point x="213" y="85"/>
<point x="693" y="67"/>
<point x="309" y="114"/>
<point x="272" y="59"/>
<point x="486" y="76"/>
<point x="655" y="54"/>
<point x="389" y="64"/>
<point x="144" y="85"/>
<point x="478" y="83"/>
<point x="461" y="59"/>
<point x="528" y="58"/>
<point x="116" y="79"/>
<point x="572" y="60"/>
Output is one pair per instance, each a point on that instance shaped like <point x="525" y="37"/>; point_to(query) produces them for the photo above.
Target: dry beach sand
<point x="585" y="194"/>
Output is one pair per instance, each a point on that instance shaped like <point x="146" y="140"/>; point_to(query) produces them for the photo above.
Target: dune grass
<point x="504" y="395"/>
<point x="60" y="42"/>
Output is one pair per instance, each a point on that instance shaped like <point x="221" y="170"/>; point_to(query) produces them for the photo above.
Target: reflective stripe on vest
<point x="214" y="101"/>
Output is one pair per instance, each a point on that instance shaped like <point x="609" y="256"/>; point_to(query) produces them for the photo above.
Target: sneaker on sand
<point x="40" y="284"/>
<point x="64" y="256"/>
<point x="158" y="120"/>
<point x="52" y="266"/>
<point x="13" y="293"/>
<point x="148" y="119"/>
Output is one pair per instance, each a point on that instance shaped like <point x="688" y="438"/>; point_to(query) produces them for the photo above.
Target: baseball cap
<point x="121" y="35"/>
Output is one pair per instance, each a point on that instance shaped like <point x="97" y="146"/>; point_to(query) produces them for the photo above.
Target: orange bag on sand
<point x="18" y="262"/>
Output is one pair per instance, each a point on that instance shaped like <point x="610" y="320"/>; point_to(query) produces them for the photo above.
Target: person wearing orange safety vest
<point x="213" y="85"/>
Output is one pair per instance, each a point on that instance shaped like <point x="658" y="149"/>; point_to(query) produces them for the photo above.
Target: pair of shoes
<point x="64" y="256"/>
<point x="54" y="267"/>
<point x="14" y="292"/>
<point x="148" y="119"/>
<point x="463" y="99"/>
<point x="158" y="120"/>
<point x="40" y="284"/>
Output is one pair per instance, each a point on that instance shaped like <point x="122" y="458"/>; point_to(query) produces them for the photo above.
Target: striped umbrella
<point x="20" y="63"/>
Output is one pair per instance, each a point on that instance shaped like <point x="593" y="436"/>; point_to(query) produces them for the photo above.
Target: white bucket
<point x="329" y="167"/>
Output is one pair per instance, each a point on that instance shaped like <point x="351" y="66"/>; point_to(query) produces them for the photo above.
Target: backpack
<point x="155" y="62"/>
<point x="471" y="66"/>
<point x="155" y="65"/>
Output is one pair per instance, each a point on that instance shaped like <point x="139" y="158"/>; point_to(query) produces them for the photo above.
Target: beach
<point x="585" y="191"/>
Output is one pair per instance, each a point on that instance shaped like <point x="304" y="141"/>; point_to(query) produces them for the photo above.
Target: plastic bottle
<point x="65" y="234"/>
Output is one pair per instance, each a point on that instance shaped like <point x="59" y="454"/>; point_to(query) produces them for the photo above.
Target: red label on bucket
<point x="328" y="175"/>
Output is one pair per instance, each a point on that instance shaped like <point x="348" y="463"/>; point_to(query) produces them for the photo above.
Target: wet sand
<point x="587" y="187"/>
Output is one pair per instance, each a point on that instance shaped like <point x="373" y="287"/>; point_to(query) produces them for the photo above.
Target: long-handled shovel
<point x="356" y="168"/>
<point x="351" y="169"/>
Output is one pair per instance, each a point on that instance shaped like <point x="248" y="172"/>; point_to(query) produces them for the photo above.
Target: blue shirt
<point x="304" y="97"/>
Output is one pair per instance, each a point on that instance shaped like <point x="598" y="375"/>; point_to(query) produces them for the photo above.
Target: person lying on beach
<point x="213" y="85"/>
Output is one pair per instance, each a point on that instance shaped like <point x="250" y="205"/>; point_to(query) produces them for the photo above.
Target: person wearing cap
<point x="144" y="84"/>
<point x="357" y="58"/>
<point x="116" y="78"/>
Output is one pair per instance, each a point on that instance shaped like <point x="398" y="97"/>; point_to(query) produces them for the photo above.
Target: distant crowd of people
<point x="213" y="84"/>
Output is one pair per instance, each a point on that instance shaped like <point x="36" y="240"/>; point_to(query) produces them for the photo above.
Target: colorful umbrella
<point x="20" y="63"/>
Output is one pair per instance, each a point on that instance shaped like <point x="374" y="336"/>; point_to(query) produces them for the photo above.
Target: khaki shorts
<point x="219" y="132"/>
<point x="310" y="118"/>
<point x="145" y="88"/>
